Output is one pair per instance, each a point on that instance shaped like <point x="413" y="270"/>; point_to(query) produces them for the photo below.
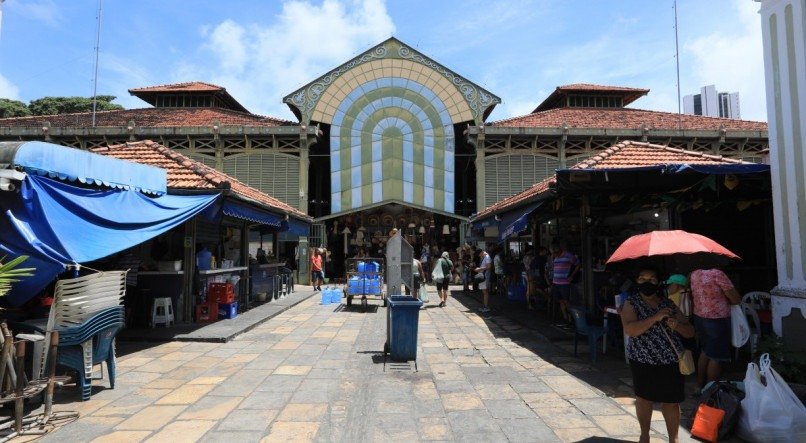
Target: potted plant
<point x="10" y="273"/>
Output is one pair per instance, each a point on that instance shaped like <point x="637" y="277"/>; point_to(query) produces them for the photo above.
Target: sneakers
<point x="484" y="310"/>
<point x="442" y="304"/>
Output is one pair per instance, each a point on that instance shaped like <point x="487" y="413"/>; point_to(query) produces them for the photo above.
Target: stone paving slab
<point x="317" y="373"/>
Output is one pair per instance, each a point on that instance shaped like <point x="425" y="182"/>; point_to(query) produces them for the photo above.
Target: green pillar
<point x="481" y="172"/>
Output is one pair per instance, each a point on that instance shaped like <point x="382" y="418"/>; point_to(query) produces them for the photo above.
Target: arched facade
<point x="391" y="114"/>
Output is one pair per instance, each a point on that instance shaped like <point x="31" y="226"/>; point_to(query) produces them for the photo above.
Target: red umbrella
<point x="672" y="251"/>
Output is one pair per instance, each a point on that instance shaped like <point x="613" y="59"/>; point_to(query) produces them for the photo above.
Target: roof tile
<point x="149" y="117"/>
<point x="626" y="118"/>
<point x="626" y="154"/>
<point x="185" y="173"/>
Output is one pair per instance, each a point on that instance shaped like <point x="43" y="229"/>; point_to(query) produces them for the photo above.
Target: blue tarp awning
<point x="70" y="164"/>
<point x="484" y="223"/>
<point x="514" y="222"/>
<point x="296" y="227"/>
<point x="236" y="209"/>
<point x="57" y="224"/>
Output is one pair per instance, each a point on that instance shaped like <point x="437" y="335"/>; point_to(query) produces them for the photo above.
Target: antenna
<point x="677" y="62"/>
<point x="97" y="50"/>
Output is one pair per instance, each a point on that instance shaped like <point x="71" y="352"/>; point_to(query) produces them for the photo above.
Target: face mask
<point x="647" y="288"/>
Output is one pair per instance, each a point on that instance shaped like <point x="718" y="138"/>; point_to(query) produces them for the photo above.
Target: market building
<point x="391" y="138"/>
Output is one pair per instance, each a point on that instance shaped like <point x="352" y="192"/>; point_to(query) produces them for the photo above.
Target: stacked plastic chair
<point x="93" y="342"/>
<point x="97" y="297"/>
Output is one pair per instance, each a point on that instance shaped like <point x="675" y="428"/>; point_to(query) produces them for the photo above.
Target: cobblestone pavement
<point x="317" y="373"/>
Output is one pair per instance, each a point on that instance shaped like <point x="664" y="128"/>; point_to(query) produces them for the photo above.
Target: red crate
<point x="221" y="293"/>
<point x="206" y="313"/>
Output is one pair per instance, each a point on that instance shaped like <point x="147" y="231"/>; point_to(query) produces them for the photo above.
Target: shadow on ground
<point x="533" y="330"/>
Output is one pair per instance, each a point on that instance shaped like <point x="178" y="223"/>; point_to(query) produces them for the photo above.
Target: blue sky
<point x="261" y="50"/>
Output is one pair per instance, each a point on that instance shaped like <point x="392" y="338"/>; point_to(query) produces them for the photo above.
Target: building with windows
<point x="392" y="138"/>
<point x="711" y="103"/>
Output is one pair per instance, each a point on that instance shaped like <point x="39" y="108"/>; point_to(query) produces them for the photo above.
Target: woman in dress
<point x="654" y="326"/>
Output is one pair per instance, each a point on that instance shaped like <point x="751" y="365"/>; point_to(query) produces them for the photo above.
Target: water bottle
<point x="325" y="296"/>
<point x="335" y="296"/>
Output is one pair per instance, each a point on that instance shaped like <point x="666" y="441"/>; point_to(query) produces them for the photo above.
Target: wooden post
<point x="19" y="401"/>
<point x="587" y="261"/>
<point x="52" y="351"/>
<point x="187" y="297"/>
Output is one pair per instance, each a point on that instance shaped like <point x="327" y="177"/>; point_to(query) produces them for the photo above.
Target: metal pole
<point x="677" y="62"/>
<point x="97" y="50"/>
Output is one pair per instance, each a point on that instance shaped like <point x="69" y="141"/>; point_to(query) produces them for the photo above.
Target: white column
<point x="782" y="24"/>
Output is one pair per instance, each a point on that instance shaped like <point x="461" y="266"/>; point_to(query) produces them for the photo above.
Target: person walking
<point x="485" y="268"/>
<point x="654" y="326"/>
<point x="500" y="273"/>
<point x="317" y="276"/>
<point x="445" y="265"/>
<point x="712" y="293"/>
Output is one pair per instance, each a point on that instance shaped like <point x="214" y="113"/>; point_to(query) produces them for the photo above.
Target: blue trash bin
<point x="402" y="318"/>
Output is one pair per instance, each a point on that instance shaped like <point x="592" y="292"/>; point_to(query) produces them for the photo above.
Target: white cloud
<point x="44" y="11"/>
<point x="8" y="89"/>
<point x="260" y="64"/>
<point x="732" y="59"/>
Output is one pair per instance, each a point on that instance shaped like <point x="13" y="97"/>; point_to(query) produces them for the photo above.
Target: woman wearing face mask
<point x="653" y="356"/>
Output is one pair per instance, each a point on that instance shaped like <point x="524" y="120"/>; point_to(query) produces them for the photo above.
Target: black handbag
<point x="727" y="397"/>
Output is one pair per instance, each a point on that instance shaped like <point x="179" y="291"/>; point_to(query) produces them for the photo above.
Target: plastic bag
<point x="727" y="397"/>
<point x="436" y="274"/>
<point x="770" y="410"/>
<point x="707" y="422"/>
<point x="423" y="294"/>
<point x="739" y="326"/>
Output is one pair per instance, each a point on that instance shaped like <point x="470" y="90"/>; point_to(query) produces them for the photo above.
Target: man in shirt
<point x="565" y="266"/>
<point x="498" y="266"/>
<point x="317" y="276"/>
<point x="484" y="285"/>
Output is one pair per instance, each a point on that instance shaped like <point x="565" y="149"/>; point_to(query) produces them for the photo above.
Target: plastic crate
<point x="227" y="310"/>
<point x="222" y="293"/>
<point x="206" y="313"/>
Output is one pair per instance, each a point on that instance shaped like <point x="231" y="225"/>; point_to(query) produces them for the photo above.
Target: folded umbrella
<point x="672" y="251"/>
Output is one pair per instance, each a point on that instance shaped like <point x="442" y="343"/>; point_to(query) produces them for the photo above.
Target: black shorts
<point x="444" y="285"/>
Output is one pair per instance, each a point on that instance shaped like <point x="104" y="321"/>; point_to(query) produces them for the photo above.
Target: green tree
<point x="13" y="108"/>
<point x="67" y="105"/>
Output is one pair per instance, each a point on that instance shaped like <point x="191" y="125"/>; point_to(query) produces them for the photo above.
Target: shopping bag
<point x="727" y="397"/>
<point x="422" y="294"/>
<point x="437" y="275"/>
<point x="739" y="326"/>
<point x="685" y="304"/>
<point x="770" y="410"/>
<point x="706" y="423"/>
<point x="479" y="277"/>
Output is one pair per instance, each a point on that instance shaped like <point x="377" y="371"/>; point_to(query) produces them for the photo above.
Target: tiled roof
<point x="602" y="88"/>
<point x="626" y="154"/>
<point x="180" y="87"/>
<point x="184" y="173"/>
<point x="149" y="117"/>
<point x="625" y="118"/>
<point x="557" y="98"/>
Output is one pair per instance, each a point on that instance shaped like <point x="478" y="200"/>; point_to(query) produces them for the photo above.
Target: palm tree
<point x="9" y="273"/>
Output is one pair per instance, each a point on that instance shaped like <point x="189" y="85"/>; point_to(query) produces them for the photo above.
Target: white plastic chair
<point x="74" y="301"/>
<point x="755" y="328"/>
<point x="757" y="300"/>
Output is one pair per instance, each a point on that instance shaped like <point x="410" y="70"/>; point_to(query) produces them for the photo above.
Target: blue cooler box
<point x="402" y="319"/>
<point x="227" y="310"/>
